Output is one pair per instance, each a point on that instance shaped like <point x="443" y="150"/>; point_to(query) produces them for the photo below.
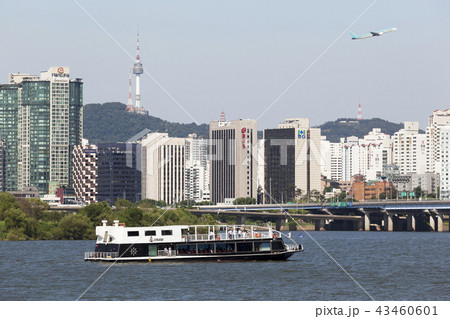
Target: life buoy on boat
<point x="275" y="235"/>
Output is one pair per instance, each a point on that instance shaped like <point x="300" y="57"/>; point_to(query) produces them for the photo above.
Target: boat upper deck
<point x="118" y="233"/>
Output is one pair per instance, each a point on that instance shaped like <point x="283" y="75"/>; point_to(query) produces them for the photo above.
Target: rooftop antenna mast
<point x="359" y="117"/>
<point x="130" y="107"/>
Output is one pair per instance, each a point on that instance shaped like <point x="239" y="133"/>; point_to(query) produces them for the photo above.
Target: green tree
<point x="206" y="219"/>
<point x="34" y="207"/>
<point x="7" y="201"/>
<point x="96" y="212"/>
<point x="244" y="201"/>
<point x="14" y="218"/>
<point x="123" y="203"/>
<point x="131" y="216"/>
<point x="76" y="226"/>
<point x="327" y="189"/>
<point x="418" y="192"/>
<point x="16" y="234"/>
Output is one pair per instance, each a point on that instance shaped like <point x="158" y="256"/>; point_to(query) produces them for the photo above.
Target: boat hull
<point x="201" y="258"/>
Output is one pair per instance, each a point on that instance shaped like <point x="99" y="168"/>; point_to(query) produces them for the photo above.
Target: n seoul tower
<point x="138" y="70"/>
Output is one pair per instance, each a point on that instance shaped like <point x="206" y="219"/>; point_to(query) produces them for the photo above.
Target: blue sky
<point x="239" y="56"/>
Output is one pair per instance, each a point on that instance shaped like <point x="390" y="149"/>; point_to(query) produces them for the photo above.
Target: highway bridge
<point x="386" y="215"/>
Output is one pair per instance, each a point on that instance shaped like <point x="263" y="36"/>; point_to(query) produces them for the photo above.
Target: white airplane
<point x="371" y="34"/>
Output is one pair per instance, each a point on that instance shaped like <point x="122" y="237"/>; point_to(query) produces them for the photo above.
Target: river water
<point x="388" y="266"/>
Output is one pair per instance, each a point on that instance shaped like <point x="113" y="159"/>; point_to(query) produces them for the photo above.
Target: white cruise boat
<point x="189" y="243"/>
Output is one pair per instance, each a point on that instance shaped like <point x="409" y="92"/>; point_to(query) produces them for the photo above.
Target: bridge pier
<point x="280" y="223"/>
<point x="364" y="224"/>
<point x="432" y="223"/>
<point x="411" y="222"/>
<point x="240" y="220"/>
<point x="439" y="223"/>
<point x="319" y="224"/>
<point x="388" y="222"/>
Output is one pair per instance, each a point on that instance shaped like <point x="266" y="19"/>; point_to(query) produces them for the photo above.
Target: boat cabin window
<point x="186" y="249"/>
<point x="166" y="232"/>
<point x="150" y="233"/>
<point x="262" y="246"/>
<point x="133" y="233"/>
<point x="205" y="249"/>
<point x="224" y="248"/>
<point x="277" y="245"/>
<point x="244" y="246"/>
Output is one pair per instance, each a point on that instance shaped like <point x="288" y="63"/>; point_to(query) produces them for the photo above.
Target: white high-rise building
<point x="410" y="149"/>
<point x="436" y="121"/>
<point x="357" y="156"/>
<point x="350" y="157"/>
<point x="331" y="159"/>
<point x="197" y="169"/>
<point x="163" y="167"/>
<point x="375" y="152"/>
<point x="444" y="162"/>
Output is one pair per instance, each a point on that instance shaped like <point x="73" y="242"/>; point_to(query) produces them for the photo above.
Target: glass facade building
<point x="41" y="120"/>
<point x="119" y="172"/>
<point x="8" y="129"/>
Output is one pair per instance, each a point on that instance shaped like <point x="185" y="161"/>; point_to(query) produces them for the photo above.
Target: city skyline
<point x="240" y="57"/>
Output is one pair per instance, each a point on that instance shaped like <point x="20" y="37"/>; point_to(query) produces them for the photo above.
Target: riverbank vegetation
<point x="32" y="219"/>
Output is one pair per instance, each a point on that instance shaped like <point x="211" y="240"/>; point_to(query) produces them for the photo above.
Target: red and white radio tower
<point x="359" y="117"/>
<point x="130" y="107"/>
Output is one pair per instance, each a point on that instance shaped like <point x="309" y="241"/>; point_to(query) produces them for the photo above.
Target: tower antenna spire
<point x="130" y="107"/>
<point x="138" y="70"/>
<point x="138" y="57"/>
<point x="359" y="117"/>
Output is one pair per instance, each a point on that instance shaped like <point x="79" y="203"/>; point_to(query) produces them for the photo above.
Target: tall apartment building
<point x="444" y="174"/>
<point x="292" y="155"/>
<point x="196" y="175"/>
<point x="350" y="157"/>
<point x="410" y="149"/>
<point x="366" y="156"/>
<point x="2" y="164"/>
<point x="233" y="160"/>
<point x="375" y="152"/>
<point x="163" y="168"/>
<point x="436" y="121"/>
<point x="85" y="172"/>
<point x="9" y="107"/>
<point x="331" y="155"/>
<point x="41" y="119"/>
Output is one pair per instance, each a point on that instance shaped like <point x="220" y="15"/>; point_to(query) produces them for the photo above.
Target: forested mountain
<point x="108" y="122"/>
<point x="334" y="130"/>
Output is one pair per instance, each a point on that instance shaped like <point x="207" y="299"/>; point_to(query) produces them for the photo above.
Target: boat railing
<point x="291" y="247"/>
<point x="167" y="252"/>
<point x="100" y="254"/>
<point x="229" y="232"/>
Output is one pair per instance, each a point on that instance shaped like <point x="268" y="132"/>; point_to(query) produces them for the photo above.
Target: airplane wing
<point x="381" y="32"/>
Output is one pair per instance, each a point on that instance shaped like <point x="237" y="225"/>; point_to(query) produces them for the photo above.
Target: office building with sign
<point x="292" y="161"/>
<point x="233" y="160"/>
<point x="41" y="119"/>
